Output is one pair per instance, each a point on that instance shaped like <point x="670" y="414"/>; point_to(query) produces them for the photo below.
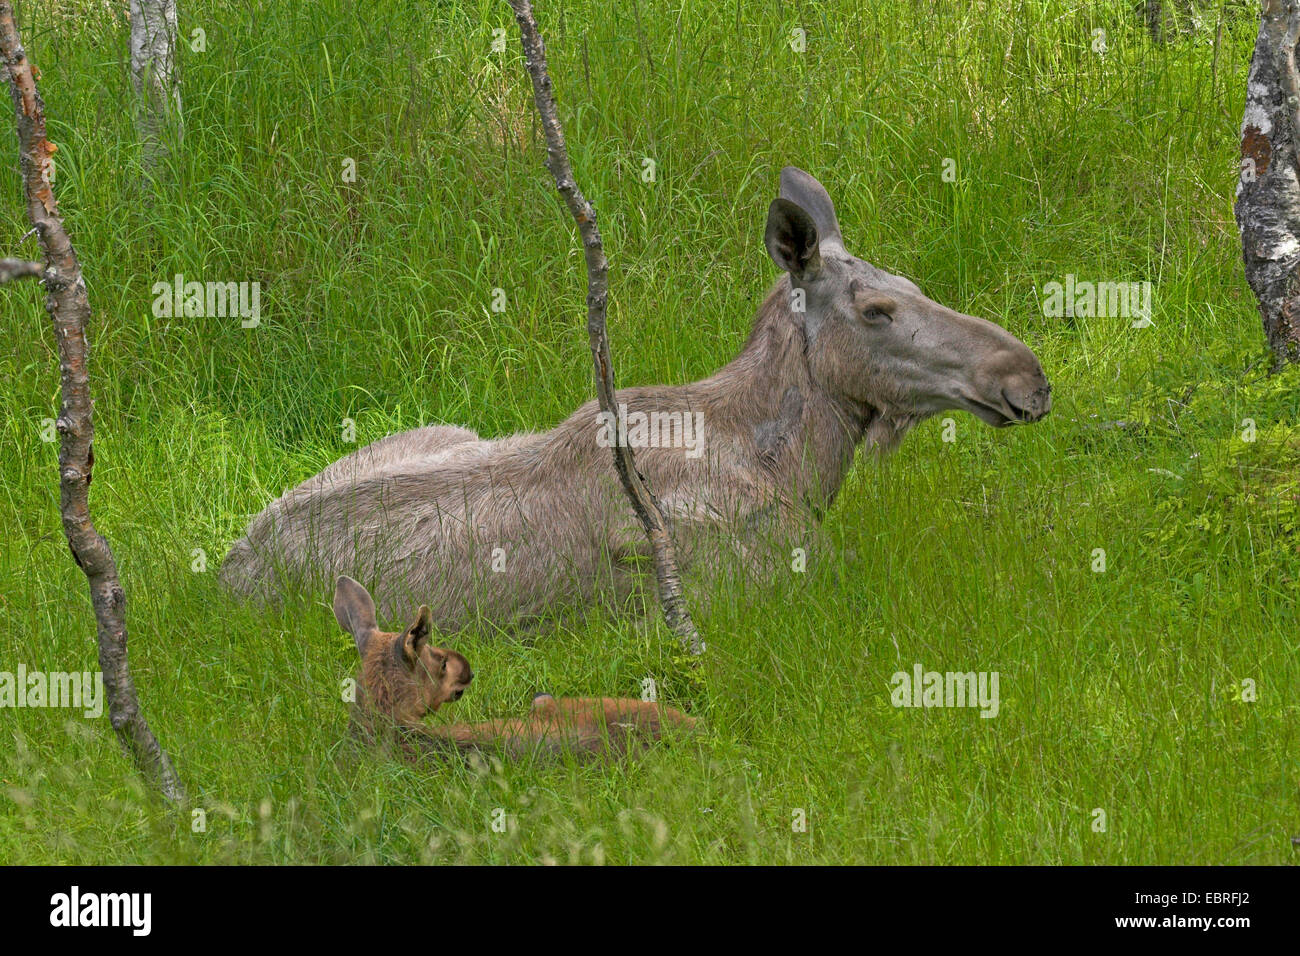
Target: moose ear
<point x="811" y="196"/>
<point x="355" y="611"/>
<point x="791" y="239"/>
<point x="417" y="635"/>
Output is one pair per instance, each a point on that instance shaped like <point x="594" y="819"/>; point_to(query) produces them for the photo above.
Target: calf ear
<point x="355" y="611"/>
<point x="791" y="239"/>
<point x="417" y="635"/>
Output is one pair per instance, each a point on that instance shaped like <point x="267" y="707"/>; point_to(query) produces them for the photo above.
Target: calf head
<point x="402" y="676"/>
<point x="875" y="340"/>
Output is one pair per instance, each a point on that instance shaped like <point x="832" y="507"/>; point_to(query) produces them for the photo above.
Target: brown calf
<point x="403" y="679"/>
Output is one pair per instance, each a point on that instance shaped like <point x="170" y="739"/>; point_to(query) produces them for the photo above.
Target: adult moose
<point x="512" y="529"/>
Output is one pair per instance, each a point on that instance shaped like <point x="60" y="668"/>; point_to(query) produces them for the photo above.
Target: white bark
<point x="154" y="75"/>
<point x="1268" y="191"/>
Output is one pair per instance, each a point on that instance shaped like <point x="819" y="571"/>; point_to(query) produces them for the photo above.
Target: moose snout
<point x="1004" y="382"/>
<point x="1018" y="387"/>
<point x="1029" y="403"/>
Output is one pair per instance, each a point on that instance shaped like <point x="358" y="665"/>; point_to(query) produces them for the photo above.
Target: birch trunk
<point x="69" y="309"/>
<point x="1268" y="193"/>
<point x="667" y="579"/>
<point x="155" y="78"/>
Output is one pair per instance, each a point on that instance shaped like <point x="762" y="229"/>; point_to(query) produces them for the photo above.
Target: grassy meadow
<point x="1161" y="691"/>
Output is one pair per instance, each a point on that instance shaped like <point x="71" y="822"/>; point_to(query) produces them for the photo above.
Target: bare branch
<point x="643" y="501"/>
<point x="11" y="269"/>
<point x="69" y="310"/>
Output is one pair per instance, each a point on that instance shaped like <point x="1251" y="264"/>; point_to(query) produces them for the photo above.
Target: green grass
<point x="1119" y="690"/>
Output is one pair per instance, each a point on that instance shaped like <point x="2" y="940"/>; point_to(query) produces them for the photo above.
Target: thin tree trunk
<point x="1268" y="193"/>
<point x="154" y="76"/>
<point x="69" y="309"/>
<point x="647" y="509"/>
<point x="1153" y="11"/>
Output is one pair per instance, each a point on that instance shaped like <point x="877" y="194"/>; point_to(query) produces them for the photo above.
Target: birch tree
<point x="155" y="78"/>
<point x="667" y="578"/>
<point x="69" y="309"/>
<point x="1268" y="192"/>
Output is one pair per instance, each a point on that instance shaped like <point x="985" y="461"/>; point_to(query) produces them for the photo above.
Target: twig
<point x="643" y="501"/>
<point x="69" y="310"/>
<point x="11" y="269"/>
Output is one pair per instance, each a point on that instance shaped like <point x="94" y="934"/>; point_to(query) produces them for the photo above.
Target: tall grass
<point x="1121" y="690"/>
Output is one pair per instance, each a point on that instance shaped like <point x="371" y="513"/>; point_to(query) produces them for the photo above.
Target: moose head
<point x="403" y="676"/>
<point x="876" y="340"/>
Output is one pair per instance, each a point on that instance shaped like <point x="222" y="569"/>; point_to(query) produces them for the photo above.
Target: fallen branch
<point x="643" y="501"/>
<point x="69" y="310"/>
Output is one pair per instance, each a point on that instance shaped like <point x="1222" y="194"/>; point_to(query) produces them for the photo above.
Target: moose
<point x="507" y="531"/>
<point x="404" y="678"/>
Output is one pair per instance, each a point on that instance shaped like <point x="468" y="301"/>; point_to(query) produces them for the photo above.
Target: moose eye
<point x="875" y="309"/>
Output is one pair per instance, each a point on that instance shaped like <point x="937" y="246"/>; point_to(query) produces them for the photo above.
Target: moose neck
<point x="805" y="436"/>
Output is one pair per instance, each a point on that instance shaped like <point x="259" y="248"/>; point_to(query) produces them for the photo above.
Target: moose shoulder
<point x="510" y="530"/>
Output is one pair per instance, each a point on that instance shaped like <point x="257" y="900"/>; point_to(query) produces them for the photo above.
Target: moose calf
<point x="403" y="678"/>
